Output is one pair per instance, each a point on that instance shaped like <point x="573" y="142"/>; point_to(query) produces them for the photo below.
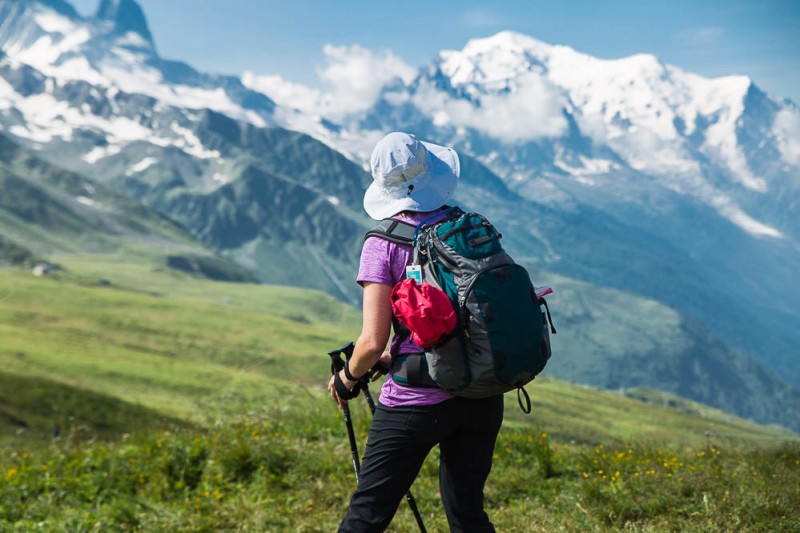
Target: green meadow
<point x="137" y="398"/>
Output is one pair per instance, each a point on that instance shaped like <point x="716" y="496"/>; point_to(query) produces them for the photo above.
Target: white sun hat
<point x="410" y="175"/>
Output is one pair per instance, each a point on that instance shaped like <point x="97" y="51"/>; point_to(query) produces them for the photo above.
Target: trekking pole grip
<point x="337" y="365"/>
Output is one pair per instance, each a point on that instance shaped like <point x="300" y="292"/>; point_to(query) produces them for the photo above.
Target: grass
<point x="157" y="401"/>
<point x="287" y="469"/>
<point x="165" y="352"/>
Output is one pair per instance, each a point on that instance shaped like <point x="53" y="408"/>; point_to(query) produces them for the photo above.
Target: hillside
<point x="45" y="210"/>
<point x="283" y="218"/>
<point x="164" y="401"/>
<point x="626" y="173"/>
<point x="148" y="335"/>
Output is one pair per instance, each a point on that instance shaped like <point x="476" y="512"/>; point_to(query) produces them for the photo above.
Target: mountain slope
<point x="46" y="210"/>
<point x="279" y="202"/>
<point x="66" y="209"/>
<point x="628" y="174"/>
<point x="615" y="340"/>
<point x="211" y="338"/>
<point x="261" y="207"/>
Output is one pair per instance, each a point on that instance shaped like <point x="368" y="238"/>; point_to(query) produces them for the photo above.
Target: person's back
<point x="412" y="181"/>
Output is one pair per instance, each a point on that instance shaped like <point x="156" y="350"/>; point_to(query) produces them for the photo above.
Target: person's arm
<point x="375" y="330"/>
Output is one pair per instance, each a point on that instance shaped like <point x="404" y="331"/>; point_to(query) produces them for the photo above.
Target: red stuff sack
<point x="425" y="310"/>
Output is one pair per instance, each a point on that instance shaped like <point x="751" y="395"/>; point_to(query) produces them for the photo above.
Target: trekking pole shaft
<point x="368" y="396"/>
<point x="351" y="436"/>
<point x="417" y="516"/>
<point x="337" y="364"/>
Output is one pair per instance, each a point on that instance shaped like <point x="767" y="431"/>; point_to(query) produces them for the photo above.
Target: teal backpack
<point x="502" y="338"/>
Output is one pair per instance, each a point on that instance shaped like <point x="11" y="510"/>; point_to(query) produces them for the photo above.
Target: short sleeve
<point x="375" y="262"/>
<point x="383" y="261"/>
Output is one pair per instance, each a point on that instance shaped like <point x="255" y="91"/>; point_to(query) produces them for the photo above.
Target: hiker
<point x="413" y="181"/>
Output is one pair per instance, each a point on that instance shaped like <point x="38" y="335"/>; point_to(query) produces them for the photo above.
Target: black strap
<point x="402" y="232"/>
<point x="393" y="230"/>
<point x="542" y="301"/>
<point x="342" y="390"/>
<point x="347" y="373"/>
<point x="399" y="232"/>
<point x="414" y="369"/>
<point x="411" y="370"/>
<point x="526" y="408"/>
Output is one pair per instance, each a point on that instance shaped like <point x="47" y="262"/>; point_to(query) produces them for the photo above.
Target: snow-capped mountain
<point x="706" y="168"/>
<point x="534" y="111"/>
<point x="92" y="95"/>
<point x="629" y="174"/>
<point x="49" y="50"/>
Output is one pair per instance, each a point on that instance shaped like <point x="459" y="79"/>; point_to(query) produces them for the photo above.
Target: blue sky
<point x="758" y="38"/>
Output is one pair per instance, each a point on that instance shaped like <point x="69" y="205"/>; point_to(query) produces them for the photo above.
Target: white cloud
<point x="594" y="126"/>
<point x="531" y="109"/>
<point x="285" y="93"/>
<point x="787" y="130"/>
<point x="354" y="77"/>
<point x="727" y="208"/>
<point x="647" y="151"/>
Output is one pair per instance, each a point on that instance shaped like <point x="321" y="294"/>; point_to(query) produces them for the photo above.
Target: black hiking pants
<point x="398" y="442"/>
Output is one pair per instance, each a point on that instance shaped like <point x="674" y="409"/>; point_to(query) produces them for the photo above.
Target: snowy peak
<point x="507" y="41"/>
<point x="113" y="50"/>
<point x="65" y="77"/>
<point x="535" y="112"/>
<point x="47" y="34"/>
<point x="609" y="99"/>
<point x="499" y="62"/>
<point x="495" y="60"/>
<point x="124" y="16"/>
<point x="15" y="7"/>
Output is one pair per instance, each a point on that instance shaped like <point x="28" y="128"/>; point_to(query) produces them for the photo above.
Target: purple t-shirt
<point x="385" y="262"/>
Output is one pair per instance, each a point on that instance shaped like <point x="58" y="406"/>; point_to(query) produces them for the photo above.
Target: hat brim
<point x="432" y="188"/>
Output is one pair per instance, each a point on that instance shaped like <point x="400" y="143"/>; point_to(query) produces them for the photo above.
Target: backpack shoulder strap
<point x="404" y="233"/>
<point x="393" y="230"/>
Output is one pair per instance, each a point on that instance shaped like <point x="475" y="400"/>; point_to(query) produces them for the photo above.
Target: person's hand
<point x="383" y="366"/>
<point x="332" y="388"/>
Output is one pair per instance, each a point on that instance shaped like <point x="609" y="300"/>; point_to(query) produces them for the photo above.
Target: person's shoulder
<point x="375" y="243"/>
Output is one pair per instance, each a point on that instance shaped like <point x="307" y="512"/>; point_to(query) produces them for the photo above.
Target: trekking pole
<point x="336" y="366"/>
<point x="363" y="384"/>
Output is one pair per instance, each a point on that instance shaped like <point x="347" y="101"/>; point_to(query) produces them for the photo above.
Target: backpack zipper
<point x="474" y="226"/>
